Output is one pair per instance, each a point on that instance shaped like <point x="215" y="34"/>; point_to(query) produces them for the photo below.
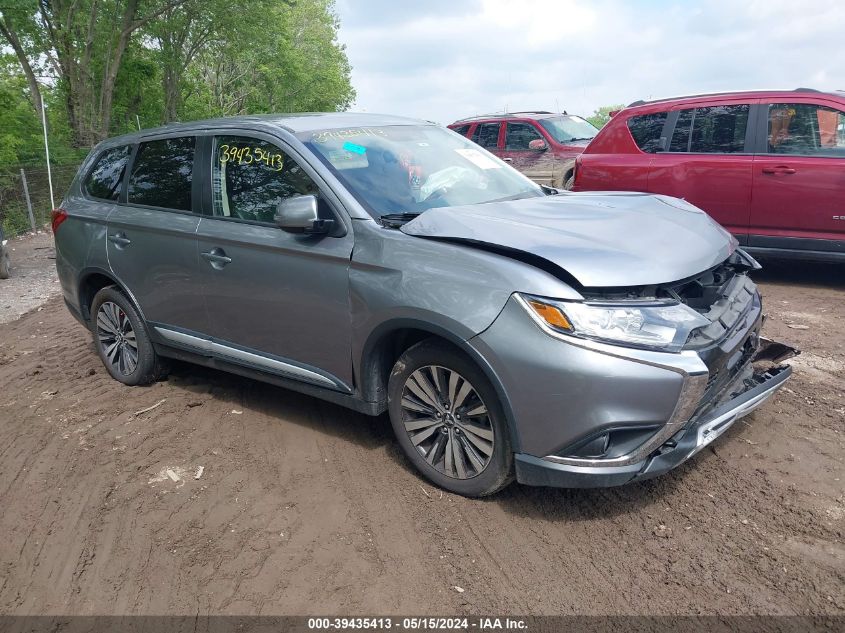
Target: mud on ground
<point x="303" y="507"/>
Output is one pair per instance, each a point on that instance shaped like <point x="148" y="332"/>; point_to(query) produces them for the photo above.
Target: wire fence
<point x="25" y="197"/>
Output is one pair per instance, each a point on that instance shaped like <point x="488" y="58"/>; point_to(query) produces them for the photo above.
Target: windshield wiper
<point x="395" y="220"/>
<point x="583" y="138"/>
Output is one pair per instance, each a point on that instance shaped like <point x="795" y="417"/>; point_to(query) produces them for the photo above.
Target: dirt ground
<point x="303" y="507"/>
<point x="32" y="279"/>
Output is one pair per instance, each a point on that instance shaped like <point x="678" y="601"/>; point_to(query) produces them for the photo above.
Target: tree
<point x="601" y="116"/>
<point x="83" y="43"/>
<point x="293" y="63"/>
<point x="109" y="61"/>
<point x="19" y="126"/>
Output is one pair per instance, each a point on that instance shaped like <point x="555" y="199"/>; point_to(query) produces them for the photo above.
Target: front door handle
<point x="780" y="169"/>
<point x="120" y="240"/>
<point x="217" y="258"/>
<point x="508" y="160"/>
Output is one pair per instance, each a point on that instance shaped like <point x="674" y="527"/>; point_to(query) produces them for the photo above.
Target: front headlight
<point x="657" y="325"/>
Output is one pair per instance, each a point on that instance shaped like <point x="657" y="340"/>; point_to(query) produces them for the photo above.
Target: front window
<point x="519" y="136"/>
<point x="567" y="129"/>
<point x="250" y="177"/>
<point x="803" y="128"/>
<point x="411" y="168"/>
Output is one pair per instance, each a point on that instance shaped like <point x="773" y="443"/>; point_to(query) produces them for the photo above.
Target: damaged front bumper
<point x="760" y="377"/>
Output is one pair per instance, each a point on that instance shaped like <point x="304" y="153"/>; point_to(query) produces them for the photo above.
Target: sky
<point x="442" y="60"/>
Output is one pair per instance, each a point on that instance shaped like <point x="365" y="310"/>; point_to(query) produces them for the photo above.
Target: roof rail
<point x="640" y="102"/>
<point x="505" y="115"/>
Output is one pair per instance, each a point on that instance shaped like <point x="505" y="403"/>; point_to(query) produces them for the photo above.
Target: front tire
<point x="121" y="339"/>
<point x="448" y="420"/>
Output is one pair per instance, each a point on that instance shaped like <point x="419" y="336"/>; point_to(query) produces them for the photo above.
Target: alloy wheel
<point x="447" y="421"/>
<point x="117" y="338"/>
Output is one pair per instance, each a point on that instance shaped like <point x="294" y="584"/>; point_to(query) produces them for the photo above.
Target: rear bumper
<point x="537" y="471"/>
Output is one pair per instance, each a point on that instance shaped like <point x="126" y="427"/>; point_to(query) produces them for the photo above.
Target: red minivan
<point x="768" y="165"/>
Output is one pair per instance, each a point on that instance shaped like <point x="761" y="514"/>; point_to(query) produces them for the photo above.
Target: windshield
<point x="411" y="168"/>
<point x="569" y="128"/>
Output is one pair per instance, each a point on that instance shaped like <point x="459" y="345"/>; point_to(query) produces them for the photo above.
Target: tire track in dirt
<point x="304" y="507"/>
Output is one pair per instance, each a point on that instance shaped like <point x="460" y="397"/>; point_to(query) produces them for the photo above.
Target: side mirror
<point x="299" y="215"/>
<point x="538" y="144"/>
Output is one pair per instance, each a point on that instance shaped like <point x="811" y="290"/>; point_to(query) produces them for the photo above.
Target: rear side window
<point x="486" y="135"/>
<point x="519" y="135"/>
<point x="680" y="136"/>
<point x="163" y="173"/>
<point x="711" y="130"/>
<point x="806" y="129"/>
<point x="461" y="129"/>
<point x="646" y="130"/>
<point x="105" y="178"/>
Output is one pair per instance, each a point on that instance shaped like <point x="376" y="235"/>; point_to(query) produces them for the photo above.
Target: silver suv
<point x="386" y="264"/>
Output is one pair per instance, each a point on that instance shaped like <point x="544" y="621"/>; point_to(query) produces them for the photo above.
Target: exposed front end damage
<point x="725" y="370"/>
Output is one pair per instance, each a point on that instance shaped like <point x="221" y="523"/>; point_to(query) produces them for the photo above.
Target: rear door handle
<point x="508" y="160"/>
<point x="217" y="258"/>
<point x="120" y="240"/>
<point x="780" y="169"/>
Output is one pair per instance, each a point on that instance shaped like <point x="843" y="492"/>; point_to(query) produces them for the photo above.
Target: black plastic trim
<point x="348" y="400"/>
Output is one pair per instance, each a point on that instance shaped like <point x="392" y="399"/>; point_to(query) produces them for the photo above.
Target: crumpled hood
<point x="601" y="239"/>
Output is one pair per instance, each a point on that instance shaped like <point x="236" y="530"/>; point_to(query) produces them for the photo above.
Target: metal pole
<point x="28" y="201"/>
<point x="47" y="151"/>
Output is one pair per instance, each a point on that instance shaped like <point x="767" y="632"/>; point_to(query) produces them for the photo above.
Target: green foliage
<point x="601" y="116"/>
<point x="14" y="219"/>
<point x="20" y="130"/>
<point x="104" y="65"/>
<point x="279" y="58"/>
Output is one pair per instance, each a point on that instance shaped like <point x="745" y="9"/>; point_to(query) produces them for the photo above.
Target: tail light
<point x="57" y="217"/>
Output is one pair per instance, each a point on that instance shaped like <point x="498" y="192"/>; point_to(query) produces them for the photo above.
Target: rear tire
<point x="448" y="420"/>
<point x="121" y="339"/>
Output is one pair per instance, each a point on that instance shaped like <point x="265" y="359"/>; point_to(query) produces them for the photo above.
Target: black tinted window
<point x="711" y="130"/>
<point x="804" y="128"/>
<point x="519" y="135"/>
<point x="162" y="173"/>
<point x="719" y="129"/>
<point x="487" y="135"/>
<point x="646" y="130"/>
<point x="250" y="177"/>
<point x="105" y="178"/>
<point x="462" y="129"/>
<point x="680" y="137"/>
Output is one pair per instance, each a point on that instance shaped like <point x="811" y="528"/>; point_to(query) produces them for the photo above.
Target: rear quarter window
<point x="461" y="129"/>
<point x="105" y="178"/>
<point x="646" y="130"/>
